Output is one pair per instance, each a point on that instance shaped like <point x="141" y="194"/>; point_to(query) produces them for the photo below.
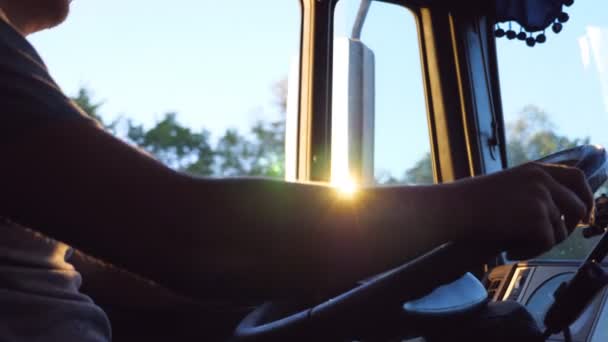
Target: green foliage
<point x="532" y="136"/>
<point x="385" y="178"/>
<point x="421" y="173"/>
<point x="260" y="152"/>
<point x="175" y="145"/>
<point x="529" y="137"/>
<point x="263" y="155"/>
<point x="84" y="100"/>
<point x="269" y="149"/>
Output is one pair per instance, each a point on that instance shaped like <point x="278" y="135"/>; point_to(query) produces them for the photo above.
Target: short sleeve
<point x="28" y="95"/>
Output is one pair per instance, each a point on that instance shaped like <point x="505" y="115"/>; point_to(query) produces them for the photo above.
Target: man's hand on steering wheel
<point x="528" y="209"/>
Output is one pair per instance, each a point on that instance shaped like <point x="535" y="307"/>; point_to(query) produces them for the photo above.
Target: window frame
<point x="460" y="141"/>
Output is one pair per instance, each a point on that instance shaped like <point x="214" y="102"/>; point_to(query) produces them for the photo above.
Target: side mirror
<point x="353" y="107"/>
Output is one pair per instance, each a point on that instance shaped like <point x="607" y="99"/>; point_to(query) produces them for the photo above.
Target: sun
<point x="346" y="187"/>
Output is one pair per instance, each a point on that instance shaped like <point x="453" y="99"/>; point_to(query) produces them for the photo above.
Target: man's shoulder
<point x="28" y="93"/>
<point x="15" y="48"/>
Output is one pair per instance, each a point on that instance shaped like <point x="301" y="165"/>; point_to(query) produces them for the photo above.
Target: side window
<point x="201" y="85"/>
<point x="555" y="96"/>
<point x="379" y="112"/>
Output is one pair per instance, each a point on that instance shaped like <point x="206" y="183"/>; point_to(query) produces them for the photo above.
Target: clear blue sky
<point x="556" y="78"/>
<point x="214" y="62"/>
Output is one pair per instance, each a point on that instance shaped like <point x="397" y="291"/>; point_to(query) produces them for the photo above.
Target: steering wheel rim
<point x="591" y="159"/>
<point x="393" y="286"/>
<point x="390" y="287"/>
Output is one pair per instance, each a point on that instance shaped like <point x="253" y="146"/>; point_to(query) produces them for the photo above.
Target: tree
<point x="175" y="145"/>
<point x="233" y="152"/>
<point x="384" y="177"/>
<point x="421" y="173"/>
<point x="261" y="155"/>
<point x="262" y="151"/>
<point x="259" y="152"/>
<point x="269" y="149"/>
<point x="532" y="136"/>
<point x="280" y="90"/>
<point x="529" y="137"/>
<point x="85" y="101"/>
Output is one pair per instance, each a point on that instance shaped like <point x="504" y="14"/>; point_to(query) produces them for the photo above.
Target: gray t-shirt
<point x="39" y="288"/>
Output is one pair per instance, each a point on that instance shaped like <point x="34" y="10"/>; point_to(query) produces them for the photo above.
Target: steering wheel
<point x="573" y="296"/>
<point x="359" y="309"/>
<point x="591" y="159"/>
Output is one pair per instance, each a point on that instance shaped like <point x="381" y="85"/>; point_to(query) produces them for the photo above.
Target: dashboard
<point x="533" y="283"/>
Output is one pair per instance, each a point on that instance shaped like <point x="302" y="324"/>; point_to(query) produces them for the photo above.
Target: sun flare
<point x="346" y="187"/>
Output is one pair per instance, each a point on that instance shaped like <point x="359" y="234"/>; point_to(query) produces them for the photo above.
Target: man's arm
<point x="77" y="183"/>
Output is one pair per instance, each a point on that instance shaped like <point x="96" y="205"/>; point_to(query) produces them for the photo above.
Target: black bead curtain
<point x="528" y="20"/>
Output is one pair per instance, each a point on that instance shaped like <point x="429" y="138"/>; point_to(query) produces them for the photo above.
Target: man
<point x="233" y="238"/>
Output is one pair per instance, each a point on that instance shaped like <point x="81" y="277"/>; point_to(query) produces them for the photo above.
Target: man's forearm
<point x="249" y="236"/>
<point x="280" y="236"/>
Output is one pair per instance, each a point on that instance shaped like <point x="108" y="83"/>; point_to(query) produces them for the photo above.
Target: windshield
<point x="202" y="86"/>
<point x="555" y="95"/>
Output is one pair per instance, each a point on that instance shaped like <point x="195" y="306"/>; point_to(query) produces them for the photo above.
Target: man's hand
<point x="530" y="208"/>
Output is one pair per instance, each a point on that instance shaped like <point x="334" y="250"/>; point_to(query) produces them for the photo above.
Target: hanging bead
<point x="521" y="35"/>
<point x="541" y="38"/>
<point x="530" y="41"/>
<point x="529" y="38"/>
<point x="499" y="32"/>
<point x="510" y="33"/>
<point x="557" y="27"/>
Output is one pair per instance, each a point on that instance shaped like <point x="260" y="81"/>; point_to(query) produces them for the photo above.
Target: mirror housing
<point x="353" y="115"/>
<point x="353" y="109"/>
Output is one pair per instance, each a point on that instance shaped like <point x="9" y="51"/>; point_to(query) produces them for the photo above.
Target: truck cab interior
<point x="441" y="91"/>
